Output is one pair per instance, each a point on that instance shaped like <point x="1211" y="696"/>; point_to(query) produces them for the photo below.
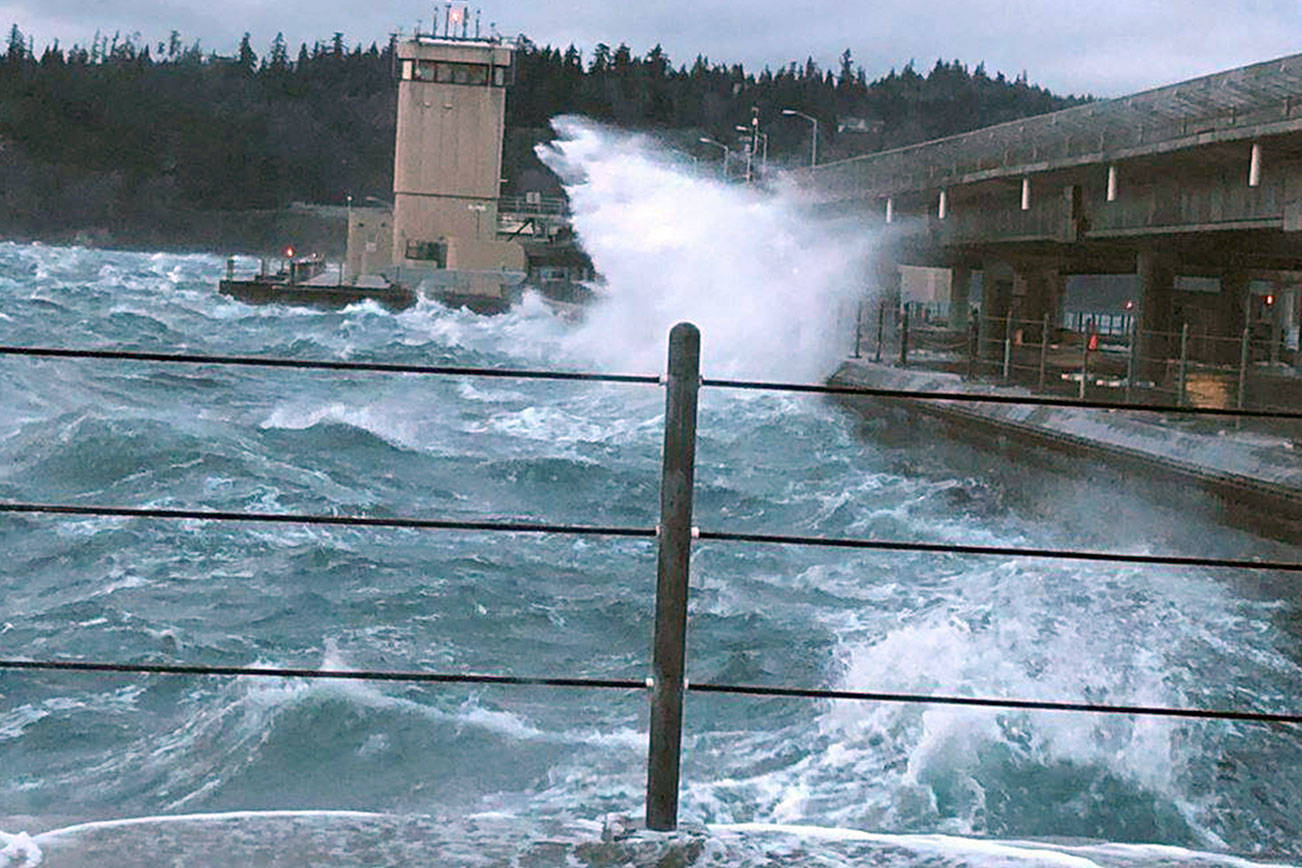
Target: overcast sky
<point x="1104" y="48"/>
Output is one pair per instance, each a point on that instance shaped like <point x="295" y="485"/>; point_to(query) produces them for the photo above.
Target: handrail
<point x="100" y="666"/>
<point x="97" y="511"/>
<point x="674" y="535"/>
<point x="644" y="379"/>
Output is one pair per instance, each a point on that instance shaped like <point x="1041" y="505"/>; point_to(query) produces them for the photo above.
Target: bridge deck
<point x="1251" y="102"/>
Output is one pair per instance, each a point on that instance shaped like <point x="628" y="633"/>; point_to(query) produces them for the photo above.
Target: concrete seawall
<point x="1261" y="471"/>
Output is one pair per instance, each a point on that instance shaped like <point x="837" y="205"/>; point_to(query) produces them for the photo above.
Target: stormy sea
<point x="165" y="769"/>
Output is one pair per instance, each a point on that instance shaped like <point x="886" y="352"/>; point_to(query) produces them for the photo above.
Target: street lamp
<point x="763" y="148"/>
<point x="726" y="152"/>
<point x="813" y="153"/>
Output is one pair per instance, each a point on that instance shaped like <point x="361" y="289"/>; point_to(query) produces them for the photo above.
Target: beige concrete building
<point x="448" y="155"/>
<point x="370" y="241"/>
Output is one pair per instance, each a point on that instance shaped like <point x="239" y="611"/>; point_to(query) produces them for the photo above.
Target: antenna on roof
<point x="477" y="11"/>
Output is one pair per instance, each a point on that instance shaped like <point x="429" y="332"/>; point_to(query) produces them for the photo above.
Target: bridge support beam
<point x="960" y="286"/>
<point x="1234" y="314"/>
<point x="1045" y="286"/>
<point x="1155" y="285"/>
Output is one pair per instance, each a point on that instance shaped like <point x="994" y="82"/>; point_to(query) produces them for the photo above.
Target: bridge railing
<point x="1147" y="206"/>
<point x="1094" y="132"/>
<point x="1099" y="355"/>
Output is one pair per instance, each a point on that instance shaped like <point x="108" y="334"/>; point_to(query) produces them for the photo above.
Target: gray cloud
<point x="1106" y="48"/>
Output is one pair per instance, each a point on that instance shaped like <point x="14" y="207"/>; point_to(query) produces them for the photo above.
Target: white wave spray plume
<point x="769" y="285"/>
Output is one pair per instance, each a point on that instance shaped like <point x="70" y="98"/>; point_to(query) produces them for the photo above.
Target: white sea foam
<point x="766" y="284"/>
<point x="175" y="819"/>
<point x="931" y="845"/>
<point x="19" y="851"/>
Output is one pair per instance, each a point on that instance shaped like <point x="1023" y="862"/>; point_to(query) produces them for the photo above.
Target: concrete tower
<point x="448" y="154"/>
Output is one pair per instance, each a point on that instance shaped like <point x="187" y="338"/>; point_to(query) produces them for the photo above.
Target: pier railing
<point x="1102" y="355"/>
<point x="675" y="535"/>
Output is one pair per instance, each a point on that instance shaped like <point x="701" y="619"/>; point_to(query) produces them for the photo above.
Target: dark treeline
<point x="126" y="133"/>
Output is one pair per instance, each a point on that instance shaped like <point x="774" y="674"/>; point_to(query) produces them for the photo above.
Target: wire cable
<point x="642" y="533"/>
<point x="417" y="677"/>
<point x="644" y="379"/>
<point x="988" y="702"/>
<point x="294" y="672"/>
<point x="335" y="520"/>
<point x="325" y="365"/>
<point x="1004" y="551"/>
<point x="983" y="398"/>
<point x="638" y="532"/>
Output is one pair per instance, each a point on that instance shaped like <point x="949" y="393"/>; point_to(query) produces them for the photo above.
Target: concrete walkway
<point x="1263" y="469"/>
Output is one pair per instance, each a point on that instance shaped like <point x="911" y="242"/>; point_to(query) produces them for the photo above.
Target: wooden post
<point x="1044" y="350"/>
<point x="904" y="338"/>
<point x="858" y="328"/>
<point x="1084" y="364"/>
<point x="1182" y="371"/>
<point x="672" y="571"/>
<point x="1130" y="360"/>
<point x="1243" y="374"/>
<point x="1008" y="344"/>
<point x="881" y="329"/>
<point x="973" y="346"/>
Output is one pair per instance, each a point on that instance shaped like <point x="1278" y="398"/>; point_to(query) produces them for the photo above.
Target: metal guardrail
<point x="674" y="535"/>
<point x="533" y="205"/>
<point x="1100" y="345"/>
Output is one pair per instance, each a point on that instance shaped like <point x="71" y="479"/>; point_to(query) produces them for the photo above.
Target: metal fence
<point x="1094" y="355"/>
<point x="533" y="205"/>
<point x="675" y="535"/>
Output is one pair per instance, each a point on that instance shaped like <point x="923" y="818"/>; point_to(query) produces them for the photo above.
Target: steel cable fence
<point x="682" y="387"/>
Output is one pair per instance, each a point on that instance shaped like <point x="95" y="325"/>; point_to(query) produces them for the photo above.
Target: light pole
<point x="813" y="152"/>
<point x="762" y="148"/>
<point x="726" y="151"/>
<point x="746" y="147"/>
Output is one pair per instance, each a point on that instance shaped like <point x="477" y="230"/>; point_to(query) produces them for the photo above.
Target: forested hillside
<point x="123" y="134"/>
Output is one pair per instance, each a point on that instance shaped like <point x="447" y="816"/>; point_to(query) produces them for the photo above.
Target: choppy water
<point x="483" y="775"/>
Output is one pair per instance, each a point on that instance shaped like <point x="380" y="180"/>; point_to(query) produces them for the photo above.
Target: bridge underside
<point x="1203" y="244"/>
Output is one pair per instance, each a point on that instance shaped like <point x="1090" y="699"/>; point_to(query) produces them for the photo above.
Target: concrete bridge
<point x="1195" y="188"/>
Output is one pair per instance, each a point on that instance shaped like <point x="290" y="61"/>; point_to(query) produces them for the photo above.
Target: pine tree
<point x="246" y="60"/>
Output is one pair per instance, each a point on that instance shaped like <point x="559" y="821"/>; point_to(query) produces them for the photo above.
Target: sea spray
<point x="769" y="285"/>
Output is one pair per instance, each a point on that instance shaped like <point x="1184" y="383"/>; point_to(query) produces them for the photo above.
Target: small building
<point x="442" y="232"/>
<point x="447" y="165"/>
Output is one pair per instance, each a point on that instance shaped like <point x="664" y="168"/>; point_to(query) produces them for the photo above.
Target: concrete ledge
<point x="1256" y="469"/>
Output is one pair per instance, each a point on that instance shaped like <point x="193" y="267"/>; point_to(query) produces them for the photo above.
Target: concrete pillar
<point x="996" y="303"/>
<point x="1155" y="287"/>
<point x="1233" y="316"/>
<point x="1045" y="286"/>
<point x="960" y="285"/>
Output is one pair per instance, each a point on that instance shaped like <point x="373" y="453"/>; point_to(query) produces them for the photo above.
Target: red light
<point x="1130" y="305"/>
<point x="456" y="16"/>
<point x="289" y="251"/>
<point x="1270" y="299"/>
